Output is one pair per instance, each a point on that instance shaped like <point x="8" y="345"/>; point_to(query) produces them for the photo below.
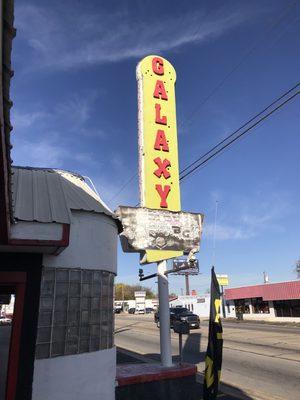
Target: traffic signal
<point x="141" y="273"/>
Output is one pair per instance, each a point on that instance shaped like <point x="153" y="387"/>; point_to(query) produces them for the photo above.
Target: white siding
<point x="88" y="376"/>
<point x="93" y="244"/>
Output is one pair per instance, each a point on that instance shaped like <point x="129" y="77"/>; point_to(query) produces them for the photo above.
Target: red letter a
<point x="160" y="91"/>
<point x="163" y="193"/>
<point x="161" y="141"/>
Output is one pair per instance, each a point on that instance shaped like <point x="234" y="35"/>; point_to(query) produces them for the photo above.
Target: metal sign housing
<point x="158" y="149"/>
<point x="147" y="229"/>
<point x="193" y="268"/>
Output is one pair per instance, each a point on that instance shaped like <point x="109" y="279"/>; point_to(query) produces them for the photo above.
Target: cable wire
<point x="251" y="50"/>
<point x="239" y="136"/>
<point x="219" y="85"/>
<point x="241" y="127"/>
<point x="123" y="187"/>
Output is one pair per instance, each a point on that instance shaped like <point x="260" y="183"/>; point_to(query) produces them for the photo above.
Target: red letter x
<point x="162" y="167"/>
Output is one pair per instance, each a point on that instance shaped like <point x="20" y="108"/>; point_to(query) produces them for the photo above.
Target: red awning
<point x="268" y="291"/>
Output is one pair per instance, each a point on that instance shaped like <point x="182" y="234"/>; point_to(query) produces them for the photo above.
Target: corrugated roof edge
<point x="263" y="284"/>
<point x="78" y="176"/>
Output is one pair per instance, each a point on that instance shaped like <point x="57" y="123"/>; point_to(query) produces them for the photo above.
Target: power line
<point x="220" y="84"/>
<point x="215" y="153"/>
<point x="216" y="150"/>
<point x="251" y="50"/>
<point x="123" y="187"/>
<point x="241" y="127"/>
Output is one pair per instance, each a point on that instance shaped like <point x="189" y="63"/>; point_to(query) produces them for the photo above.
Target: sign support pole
<point x="223" y="302"/>
<point x="187" y="285"/>
<point x="164" y="315"/>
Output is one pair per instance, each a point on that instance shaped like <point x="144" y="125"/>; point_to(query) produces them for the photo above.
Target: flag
<point x="213" y="358"/>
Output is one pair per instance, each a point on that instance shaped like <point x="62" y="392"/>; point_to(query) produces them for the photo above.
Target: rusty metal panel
<point x="48" y="195"/>
<point x="145" y="229"/>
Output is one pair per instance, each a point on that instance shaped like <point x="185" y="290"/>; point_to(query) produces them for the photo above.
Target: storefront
<point x="274" y="301"/>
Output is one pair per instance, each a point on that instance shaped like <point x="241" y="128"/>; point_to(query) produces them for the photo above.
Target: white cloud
<point x="227" y="232"/>
<point x="252" y="216"/>
<point x="25" y="120"/>
<point x="72" y="114"/>
<point x="76" y="108"/>
<point x="46" y="153"/>
<point x="78" y="39"/>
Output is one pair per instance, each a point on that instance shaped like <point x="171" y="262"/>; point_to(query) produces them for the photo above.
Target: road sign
<point x="193" y="268"/>
<point x="222" y="279"/>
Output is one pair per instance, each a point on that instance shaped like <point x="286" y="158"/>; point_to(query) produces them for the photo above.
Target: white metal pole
<point x="164" y="315"/>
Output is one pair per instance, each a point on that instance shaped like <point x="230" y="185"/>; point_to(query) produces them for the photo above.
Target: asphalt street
<point x="262" y="360"/>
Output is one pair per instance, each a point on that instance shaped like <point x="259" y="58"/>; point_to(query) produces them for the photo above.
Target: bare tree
<point x="297" y="269"/>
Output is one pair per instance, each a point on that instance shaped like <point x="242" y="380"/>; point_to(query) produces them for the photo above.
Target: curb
<point x="225" y="387"/>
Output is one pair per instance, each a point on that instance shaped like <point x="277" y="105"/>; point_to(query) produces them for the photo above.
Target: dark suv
<point x="180" y="314"/>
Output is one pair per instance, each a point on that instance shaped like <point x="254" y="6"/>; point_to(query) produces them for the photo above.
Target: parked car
<point x="180" y="314"/>
<point x="140" y="309"/>
<point x="148" y="310"/>
<point x="117" y="310"/>
<point x="131" y="310"/>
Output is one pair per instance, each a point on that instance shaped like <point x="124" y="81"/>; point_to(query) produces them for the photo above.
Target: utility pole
<point x="266" y="277"/>
<point x="187" y="284"/>
<point x="123" y="296"/>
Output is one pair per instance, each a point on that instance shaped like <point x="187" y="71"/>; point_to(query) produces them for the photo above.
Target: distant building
<point x="270" y="301"/>
<point x="197" y="304"/>
<point x="125" y="305"/>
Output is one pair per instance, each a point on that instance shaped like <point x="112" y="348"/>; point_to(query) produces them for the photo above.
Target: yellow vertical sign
<point x="158" y="148"/>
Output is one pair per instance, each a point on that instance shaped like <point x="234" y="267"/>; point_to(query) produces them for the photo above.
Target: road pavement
<point x="262" y="360"/>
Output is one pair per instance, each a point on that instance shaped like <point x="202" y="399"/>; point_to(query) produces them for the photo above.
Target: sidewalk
<point x="227" y="393"/>
<point x="259" y="322"/>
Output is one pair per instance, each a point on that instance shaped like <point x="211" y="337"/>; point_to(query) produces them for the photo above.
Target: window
<point x="241" y="306"/>
<point x="287" y="308"/>
<point x="76" y="312"/>
<point x="260" y="306"/>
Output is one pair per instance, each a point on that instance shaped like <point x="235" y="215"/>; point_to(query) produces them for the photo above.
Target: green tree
<point x="126" y="292"/>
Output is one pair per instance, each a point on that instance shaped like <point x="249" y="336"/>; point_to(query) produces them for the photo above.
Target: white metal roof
<point x="48" y="195"/>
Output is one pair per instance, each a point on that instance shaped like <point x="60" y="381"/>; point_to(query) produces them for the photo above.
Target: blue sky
<point x="75" y="108"/>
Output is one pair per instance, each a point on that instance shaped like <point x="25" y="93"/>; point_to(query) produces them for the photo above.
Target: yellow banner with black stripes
<point x="213" y="358"/>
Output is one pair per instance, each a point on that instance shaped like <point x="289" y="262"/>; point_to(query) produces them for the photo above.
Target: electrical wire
<point x="250" y="51"/>
<point x="215" y="153"/>
<point x="230" y="139"/>
<point x="241" y="127"/>
<point x="220" y="84"/>
<point x="123" y="187"/>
